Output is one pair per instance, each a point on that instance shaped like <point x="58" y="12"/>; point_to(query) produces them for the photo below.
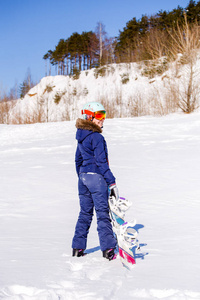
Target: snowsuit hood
<point x="85" y="128"/>
<point x="87" y="125"/>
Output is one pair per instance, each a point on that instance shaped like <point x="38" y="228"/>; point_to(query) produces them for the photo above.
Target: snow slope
<point x="122" y="88"/>
<point x="90" y="86"/>
<point x="156" y="162"/>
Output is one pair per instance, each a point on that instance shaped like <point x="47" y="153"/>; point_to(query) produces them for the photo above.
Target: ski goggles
<point x="99" y="115"/>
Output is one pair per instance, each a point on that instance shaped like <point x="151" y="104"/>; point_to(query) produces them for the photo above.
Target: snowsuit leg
<point x="93" y="191"/>
<point x="85" y="217"/>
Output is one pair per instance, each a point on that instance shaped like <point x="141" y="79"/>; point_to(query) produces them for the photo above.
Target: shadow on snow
<point x="138" y="254"/>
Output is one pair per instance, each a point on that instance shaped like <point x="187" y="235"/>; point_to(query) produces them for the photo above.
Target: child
<point x="96" y="181"/>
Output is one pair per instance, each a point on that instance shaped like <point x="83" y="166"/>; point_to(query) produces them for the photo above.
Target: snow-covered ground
<point x="156" y="162"/>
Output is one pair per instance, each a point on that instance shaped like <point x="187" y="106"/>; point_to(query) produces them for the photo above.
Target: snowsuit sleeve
<point x="78" y="160"/>
<point x="101" y="158"/>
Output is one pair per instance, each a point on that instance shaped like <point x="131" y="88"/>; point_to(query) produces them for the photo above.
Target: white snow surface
<point x="156" y="162"/>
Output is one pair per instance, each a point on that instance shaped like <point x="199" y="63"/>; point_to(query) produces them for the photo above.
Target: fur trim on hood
<point x="88" y="125"/>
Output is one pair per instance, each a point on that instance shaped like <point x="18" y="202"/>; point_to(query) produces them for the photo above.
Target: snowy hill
<point x="112" y="85"/>
<point x="126" y="90"/>
<point x="156" y="163"/>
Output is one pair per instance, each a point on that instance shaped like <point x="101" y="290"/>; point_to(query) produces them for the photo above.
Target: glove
<point x="114" y="191"/>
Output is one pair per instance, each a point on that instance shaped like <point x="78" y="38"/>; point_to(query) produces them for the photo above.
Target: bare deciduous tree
<point x="185" y="42"/>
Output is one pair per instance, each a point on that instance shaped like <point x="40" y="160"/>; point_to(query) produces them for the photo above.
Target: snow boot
<point x="78" y="252"/>
<point x="109" y="254"/>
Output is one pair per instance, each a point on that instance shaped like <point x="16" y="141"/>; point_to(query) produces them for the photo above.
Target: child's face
<point x="98" y="122"/>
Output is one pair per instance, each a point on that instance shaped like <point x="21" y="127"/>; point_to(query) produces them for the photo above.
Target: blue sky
<point x="29" y="28"/>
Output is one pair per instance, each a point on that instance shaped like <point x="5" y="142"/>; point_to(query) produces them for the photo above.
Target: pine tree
<point x="191" y="11"/>
<point x="48" y="56"/>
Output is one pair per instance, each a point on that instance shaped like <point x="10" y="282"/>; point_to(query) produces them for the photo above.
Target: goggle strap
<point x="87" y="112"/>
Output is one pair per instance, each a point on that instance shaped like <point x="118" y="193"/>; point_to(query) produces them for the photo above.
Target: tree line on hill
<point x="144" y="39"/>
<point x="81" y="52"/>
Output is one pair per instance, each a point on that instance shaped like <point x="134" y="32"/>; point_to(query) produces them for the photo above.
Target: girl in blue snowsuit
<point x="95" y="182"/>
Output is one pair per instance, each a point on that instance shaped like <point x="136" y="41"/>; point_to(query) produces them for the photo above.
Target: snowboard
<point x="125" y="233"/>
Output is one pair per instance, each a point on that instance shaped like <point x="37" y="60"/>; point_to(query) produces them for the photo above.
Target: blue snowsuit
<point x="94" y="178"/>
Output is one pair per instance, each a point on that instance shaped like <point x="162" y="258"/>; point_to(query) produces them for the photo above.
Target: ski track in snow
<point x="156" y="163"/>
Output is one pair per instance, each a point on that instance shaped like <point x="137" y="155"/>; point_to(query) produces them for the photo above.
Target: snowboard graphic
<point x="125" y="233"/>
